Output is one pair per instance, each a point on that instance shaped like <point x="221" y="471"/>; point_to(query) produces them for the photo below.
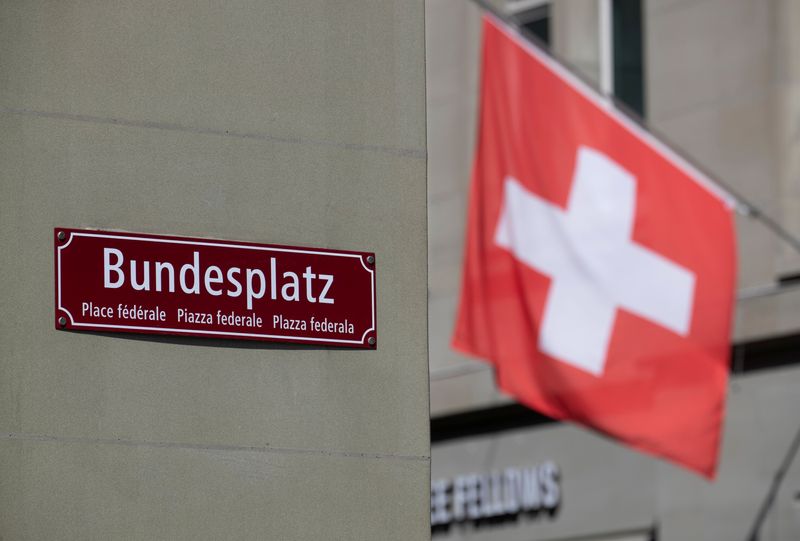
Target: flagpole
<point x="744" y="206"/>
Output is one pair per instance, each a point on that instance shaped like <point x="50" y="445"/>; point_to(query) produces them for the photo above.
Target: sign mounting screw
<point x="371" y="340"/>
<point x="62" y="236"/>
<point x="62" y="321"/>
<point x="371" y="259"/>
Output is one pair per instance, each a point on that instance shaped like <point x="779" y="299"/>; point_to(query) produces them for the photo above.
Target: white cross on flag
<point x="600" y="267"/>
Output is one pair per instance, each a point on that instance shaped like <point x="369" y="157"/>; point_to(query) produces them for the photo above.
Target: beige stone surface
<point x="465" y="386"/>
<point x="575" y="36"/>
<point x="761" y="422"/>
<point x="705" y="52"/>
<point x="720" y="79"/>
<point x="786" y="43"/>
<point x="329" y="71"/>
<point x="104" y="491"/>
<point x="299" y="124"/>
<point x="608" y="488"/>
<point x="617" y="497"/>
<point x="452" y="50"/>
<point x="79" y="174"/>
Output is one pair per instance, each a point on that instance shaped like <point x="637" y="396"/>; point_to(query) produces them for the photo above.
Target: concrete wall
<point x="453" y="42"/>
<point x="721" y="80"/>
<point x="298" y="123"/>
<point x="575" y="35"/>
<point x="786" y="88"/>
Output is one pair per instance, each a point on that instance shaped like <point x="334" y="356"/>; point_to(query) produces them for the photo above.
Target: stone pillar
<point x="787" y="122"/>
<point x="575" y="31"/>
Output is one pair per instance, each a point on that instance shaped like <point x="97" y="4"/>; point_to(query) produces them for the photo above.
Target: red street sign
<point x="155" y="284"/>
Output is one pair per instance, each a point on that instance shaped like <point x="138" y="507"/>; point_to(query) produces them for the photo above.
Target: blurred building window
<point x="534" y="16"/>
<point x="628" y="54"/>
<point x="621" y="44"/>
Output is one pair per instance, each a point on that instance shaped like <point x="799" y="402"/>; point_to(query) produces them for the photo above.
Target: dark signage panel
<point x="154" y="284"/>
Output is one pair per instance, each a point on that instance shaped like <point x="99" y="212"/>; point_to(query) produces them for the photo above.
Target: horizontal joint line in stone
<point x="402" y="152"/>
<point x="202" y="447"/>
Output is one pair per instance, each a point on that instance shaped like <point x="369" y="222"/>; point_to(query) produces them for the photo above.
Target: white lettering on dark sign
<point x="194" y="287"/>
<point x="233" y="281"/>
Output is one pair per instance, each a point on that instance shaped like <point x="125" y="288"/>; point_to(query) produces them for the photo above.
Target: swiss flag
<point x="600" y="267"/>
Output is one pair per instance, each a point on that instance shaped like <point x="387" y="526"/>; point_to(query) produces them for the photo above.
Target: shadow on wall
<point x="212" y="342"/>
<point x="523" y="518"/>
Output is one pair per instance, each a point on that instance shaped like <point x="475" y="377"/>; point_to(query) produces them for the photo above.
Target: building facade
<point x="290" y="123"/>
<point x="720" y="82"/>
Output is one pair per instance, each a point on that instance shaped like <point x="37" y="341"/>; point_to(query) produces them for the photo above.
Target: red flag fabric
<point x="599" y="271"/>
